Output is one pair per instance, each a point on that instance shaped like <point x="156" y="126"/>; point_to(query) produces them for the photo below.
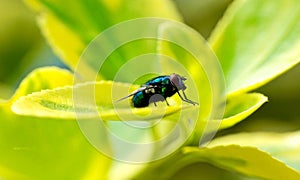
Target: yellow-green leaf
<point x="43" y="78"/>
<point x="284" y="146"/>
<point x="239" y="107"/>
<point x="257" y="41"/>
<point x="62" y="103"/>
<point x="248" y="161"/>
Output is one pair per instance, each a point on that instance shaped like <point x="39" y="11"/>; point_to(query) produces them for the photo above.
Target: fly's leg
<point x="167" y="102"/>
<point x="186" y="99"/>
<point x="184" y="95"/>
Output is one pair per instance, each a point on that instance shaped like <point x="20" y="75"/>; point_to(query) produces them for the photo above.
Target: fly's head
<point x="177" y="81"/>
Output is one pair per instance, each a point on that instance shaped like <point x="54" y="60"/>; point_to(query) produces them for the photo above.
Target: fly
<point x="158" y="89"/>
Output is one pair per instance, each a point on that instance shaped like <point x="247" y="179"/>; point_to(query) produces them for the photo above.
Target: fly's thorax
<point x="168" y="90"/>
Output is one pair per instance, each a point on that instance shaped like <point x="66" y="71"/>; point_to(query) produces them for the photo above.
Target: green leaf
<point x="70" y="25"/>
<point x="283" y="146"/>
<point x="248" y="161"/>
<point x="59" y="103"/>
<point x="33" y="148"/>
<point x="257" y="41"/>
<point x="240" y="106"/>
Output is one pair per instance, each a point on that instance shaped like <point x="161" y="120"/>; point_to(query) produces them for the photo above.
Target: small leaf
<point x="238" y="108"/>
<point x="257" y="41"/>
<point x="43" y="78"/>
<point x="59" y="103"/>
<point x="284" y="146"/>
<point x="244" y="160"/>
<point x="241" y="106"/>
<point x="70" y="25"/>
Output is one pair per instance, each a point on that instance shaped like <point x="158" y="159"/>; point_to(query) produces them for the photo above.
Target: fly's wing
<point x="136" y="91"/>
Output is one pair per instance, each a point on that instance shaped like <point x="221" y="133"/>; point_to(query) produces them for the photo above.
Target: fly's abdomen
<point x="158" y="89"/>
<point x="140" y="100"/>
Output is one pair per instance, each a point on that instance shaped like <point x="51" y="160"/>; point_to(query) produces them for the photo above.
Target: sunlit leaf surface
<point x="284" y="146"/>
<point x="41" y="79"/>
<point x="58" y="103"/>
<point x="241" y="106"/>
<point x="248" y="161"/>
<point x="256" y="41"/>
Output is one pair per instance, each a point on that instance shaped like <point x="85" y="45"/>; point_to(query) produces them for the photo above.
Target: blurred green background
<point x="23" y="48"/>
